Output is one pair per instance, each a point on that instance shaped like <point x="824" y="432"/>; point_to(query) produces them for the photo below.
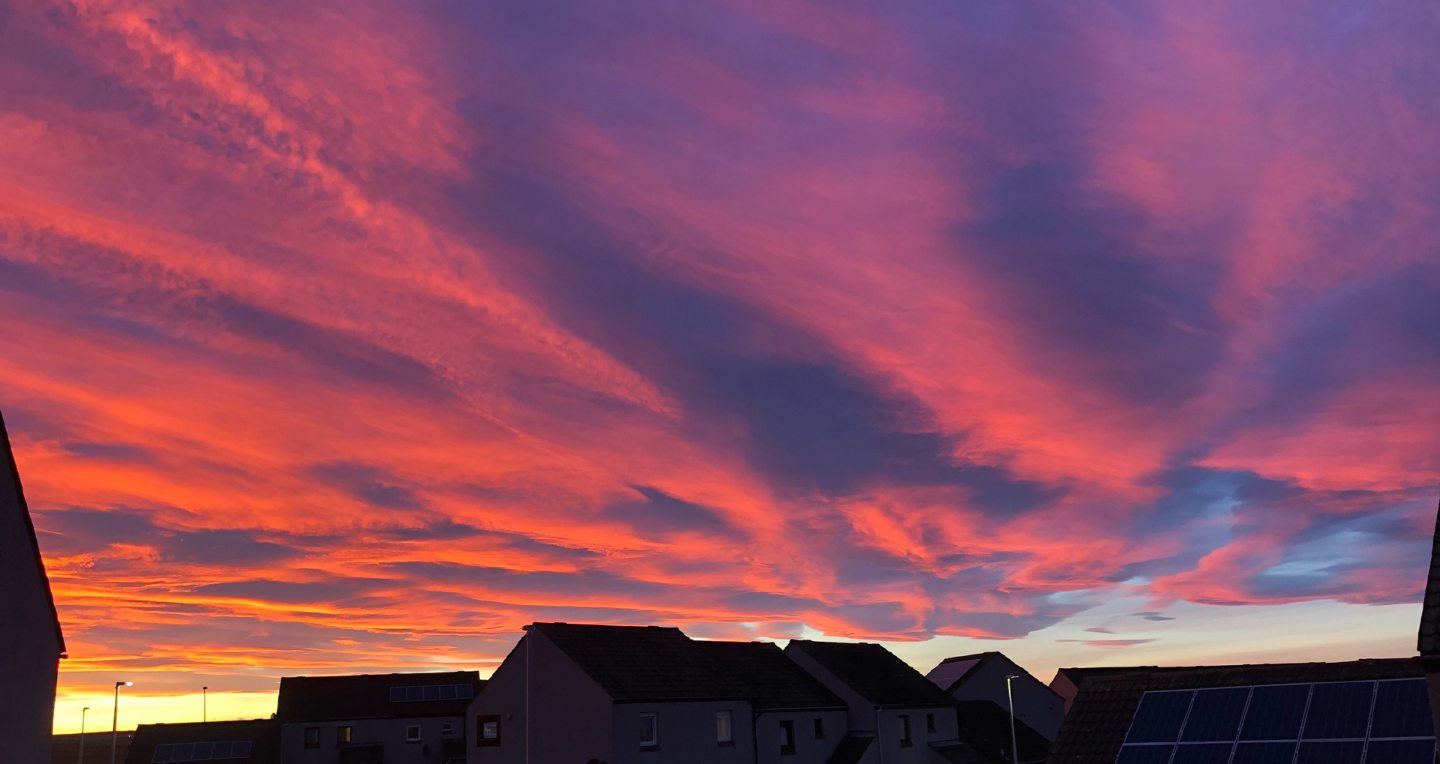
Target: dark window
<point x="487" y="730"/>
<point x="905" y="740"/>
<point x="724" y="734"/>
<point x="344" y="734"/>
<point x="787" y="737"/>
<point x="312" y="737"/>
<point x="447" y="728"/>
<point x="412" y="733"/>
<point x="649" y="731"/>
<point x="930" y="723"/>
<point x="819" y="728"/>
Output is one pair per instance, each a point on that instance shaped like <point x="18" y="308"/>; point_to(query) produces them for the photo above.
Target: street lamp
<point x="115" y="717"/>
<point x="1009" y="693"/>
<point x="82" y="734"/>
<point x="205" y="703"/>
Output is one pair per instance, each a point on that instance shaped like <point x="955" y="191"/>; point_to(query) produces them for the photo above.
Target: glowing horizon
<point x="353" y="342"/>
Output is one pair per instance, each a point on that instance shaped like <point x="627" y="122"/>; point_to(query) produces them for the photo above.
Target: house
<point x="982" y="676"/>
<point x="894" y="714"/>
<point x="1376" y="711"/>
<point x="31" y="643"/>
<point x="375" y="718"/>
<point x="1429" y="641"/>
<point x="66" y="748"/>
<point x="243" y="742"/>
<point x="618" y="694"/>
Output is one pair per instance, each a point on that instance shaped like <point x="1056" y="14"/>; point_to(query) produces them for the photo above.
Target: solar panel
<point x="1215" y="714"/>
<point x="1402" y="709"/>
<point x="1339" y="710"/>
<point x="1202" y="753"/>
<point x="1275" y="712"/>
<point x="1348" y="752"/>
<point x="431" y="692"/>
<point x="1159" y="717"/>
<point x="464" y="691"/>
<point x="1264" y="753"/>
<point x="1145" y="754"/>
<point x="1401" y="751"/>
<point x="1384" y="722"/>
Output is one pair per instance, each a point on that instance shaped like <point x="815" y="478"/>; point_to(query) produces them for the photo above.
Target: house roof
<point x="1095" y="728"/>
<point x="655" y="664"/>
<point x="952" y="671"/>
<point x="8" y="459"/>
<point x="262" y="734"/>
<point x="1429" y="642"/>
<point x="368" y="696"/>
<point x="877" y="674"/>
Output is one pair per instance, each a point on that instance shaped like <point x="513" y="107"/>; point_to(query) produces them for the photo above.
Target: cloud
<point x="367" y="340"/>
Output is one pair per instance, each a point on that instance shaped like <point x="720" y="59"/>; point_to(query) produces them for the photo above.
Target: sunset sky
<point x="1096" y="333"/>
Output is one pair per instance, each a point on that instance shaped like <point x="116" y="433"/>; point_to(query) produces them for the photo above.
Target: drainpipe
<point x="529" y="639"/>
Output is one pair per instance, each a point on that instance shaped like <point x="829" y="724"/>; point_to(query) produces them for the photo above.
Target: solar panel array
<point x="211" y="751"/>
<point x="431" y="692"/>
<point x="1371" y="722"/>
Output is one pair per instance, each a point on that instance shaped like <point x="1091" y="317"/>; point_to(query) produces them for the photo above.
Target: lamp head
<point x="124" y="684"/>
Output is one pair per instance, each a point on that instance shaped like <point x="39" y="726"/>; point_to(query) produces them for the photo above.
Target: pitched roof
<point x="8" y="459"/>
<point x="877" y="674"/>
<point x="653" y="663"/>
<point x="1095" y="728"/>
<point x="1429" y="642"/>
<point x="262" y="734"/>
<point x="367" y="696"/>
<point x="952" y="671"/>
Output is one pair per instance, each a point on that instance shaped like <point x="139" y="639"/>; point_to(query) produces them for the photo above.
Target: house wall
<point x="577" y="723"/>
<point x="888" y="748"/>
<point x="808" y="749"/>
<point x="1035" y="704"/>
<point x="687" y="733"/>
<point x="29" y="646"/>
<point x="389" y="732"/>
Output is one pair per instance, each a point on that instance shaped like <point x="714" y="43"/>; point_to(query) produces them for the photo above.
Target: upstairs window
<point x="723" y="732"/>
<point x="447" y="728"/>
<point x="412" y="733"/>
<point x="930" y="723"/>
<point x="819" y="728"/>
<point x="487" y="731"/>
<point x="649" y="731"/>
<point x="312" y="737"/>
<point x="905" y="740"/>
<point x="344" y="734"/>
<point x="787" y="737"/>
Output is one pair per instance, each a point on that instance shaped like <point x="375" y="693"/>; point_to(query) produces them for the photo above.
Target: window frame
<point x="906" y="740"/>
<point x="787" y="737"/>
<point x="653" y="742"/>
<point x="481" y="741"/>
<point x="819" y="728"/>
<point x="729" y="723"/>
<point x="930" y="723"/>
<point x="415" y="738"/>
<point x="344" y="735"/>
<point x="312" y="737"/>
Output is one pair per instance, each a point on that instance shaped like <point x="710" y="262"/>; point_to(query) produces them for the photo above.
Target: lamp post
<point x="81" y="758"/>
<point x="115" y="717"/>
<point x="205" y="703"/>
<point x="1010" y="694"/>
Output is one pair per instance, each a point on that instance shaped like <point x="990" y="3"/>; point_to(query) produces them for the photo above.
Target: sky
<point x="353" y="340"/>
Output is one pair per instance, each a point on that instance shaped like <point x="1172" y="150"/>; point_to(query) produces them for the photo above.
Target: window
<point x="447" y="728"/>
<point x="723" y="733"/>
<point x="487" y="731"/>
<point x="312" y="737"/>
<point x="905" y="740"/>
<point x="787" y="737"/>
<point x="412" y="733"/>
<point x="819" y="728"/>
<point x="345" y="734"/>
<point x="930" y="723"/>
<point x="649" y="731"/>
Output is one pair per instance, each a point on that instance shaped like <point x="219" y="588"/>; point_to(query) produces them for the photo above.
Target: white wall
<point x="1035" y="704"/>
